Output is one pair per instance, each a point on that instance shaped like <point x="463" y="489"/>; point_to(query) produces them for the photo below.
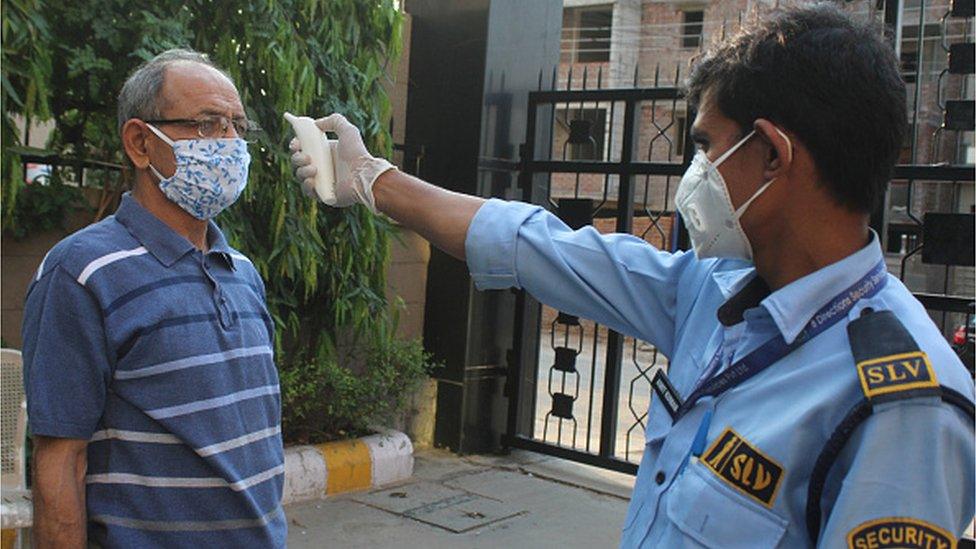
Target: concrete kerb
<point x="313" y="472"/>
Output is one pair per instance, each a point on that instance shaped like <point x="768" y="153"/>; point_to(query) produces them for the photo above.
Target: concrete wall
<point x="19" y="260"/>
<point x="406" y="275"/>
<point x="18" y="263"/>
<point x="396" y="88"/>
<point x="406" y="279"/>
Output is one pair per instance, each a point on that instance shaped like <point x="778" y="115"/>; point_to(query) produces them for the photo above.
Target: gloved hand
<point x="356" y="170"/>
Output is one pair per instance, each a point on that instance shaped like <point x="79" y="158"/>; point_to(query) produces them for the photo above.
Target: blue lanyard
<point x="777" y="348"/>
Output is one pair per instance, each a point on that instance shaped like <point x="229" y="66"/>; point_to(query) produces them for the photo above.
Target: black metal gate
<point x="614" y="161"/>
<point x="613" y="157"/>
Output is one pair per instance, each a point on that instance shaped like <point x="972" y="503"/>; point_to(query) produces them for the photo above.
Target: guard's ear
<point x="779" y="157"/>
<point x="135" y="140"/>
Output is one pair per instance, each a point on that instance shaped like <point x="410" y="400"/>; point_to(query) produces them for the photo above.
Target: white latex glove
<point x="356" y="169"/>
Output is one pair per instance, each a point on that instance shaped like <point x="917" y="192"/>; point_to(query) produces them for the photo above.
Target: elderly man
<point x="811" y="399"/>
<point x="151" y="385"/>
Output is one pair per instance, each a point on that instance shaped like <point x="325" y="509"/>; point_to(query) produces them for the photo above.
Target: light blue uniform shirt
<point x="910" y="459"/>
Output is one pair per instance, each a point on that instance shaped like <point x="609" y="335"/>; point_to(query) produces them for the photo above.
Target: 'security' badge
<point x="899" y="532"/>
<point x="744" y="467"/>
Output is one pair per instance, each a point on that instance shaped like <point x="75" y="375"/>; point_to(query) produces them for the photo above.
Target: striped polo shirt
<point x="161" y="357"/>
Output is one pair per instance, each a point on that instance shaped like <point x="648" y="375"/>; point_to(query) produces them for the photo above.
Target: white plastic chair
<point x="13" y="420"/>
<point x="13" y="440"/>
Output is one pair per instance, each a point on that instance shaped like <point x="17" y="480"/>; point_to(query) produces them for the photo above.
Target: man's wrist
<point x="366" y="176"/>
<point x="383" y="188"/>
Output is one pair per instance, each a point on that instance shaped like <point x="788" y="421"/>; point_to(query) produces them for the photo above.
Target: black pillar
<point x="472" y="64"/>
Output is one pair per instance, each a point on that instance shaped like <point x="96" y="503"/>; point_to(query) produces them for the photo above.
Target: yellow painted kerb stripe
<point x="8" y="538"/>
<point x="349" y="465"/>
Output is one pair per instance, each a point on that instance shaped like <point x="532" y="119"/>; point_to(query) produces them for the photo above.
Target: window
<point x="931" y="49"/>
<point x="902" y="238"/>
<point x="580" y="133"/>
<point x="691" y="28"/>
<point x="586" y="34"/>
<point x="898" y="196"/>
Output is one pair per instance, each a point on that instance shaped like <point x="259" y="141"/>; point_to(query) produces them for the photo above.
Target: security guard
<point x="809" y="400"/>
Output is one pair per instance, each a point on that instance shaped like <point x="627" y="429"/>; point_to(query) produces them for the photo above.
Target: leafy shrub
<point x="42" y="208"/>
<point x="325" y="401"/>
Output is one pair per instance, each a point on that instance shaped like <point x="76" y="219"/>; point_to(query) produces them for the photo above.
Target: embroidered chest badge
<point x="899" y="532"/>
<point x="896" y="373"/>
<point x="744" y="467"/>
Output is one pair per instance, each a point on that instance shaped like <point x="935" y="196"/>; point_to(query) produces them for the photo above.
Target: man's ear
<point x="135" y="140"/>
<point x="780" y="156"/>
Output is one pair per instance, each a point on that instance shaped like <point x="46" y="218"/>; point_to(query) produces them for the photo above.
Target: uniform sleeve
<point x="617" y="280"/>
<point x="907" y="479"/>
<point x="66" y="363"/>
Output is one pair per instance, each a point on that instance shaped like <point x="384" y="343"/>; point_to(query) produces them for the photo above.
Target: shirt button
<point x="659" y="478"/>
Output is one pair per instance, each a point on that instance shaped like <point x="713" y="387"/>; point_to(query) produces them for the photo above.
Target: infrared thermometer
<point x="319" y="148"/>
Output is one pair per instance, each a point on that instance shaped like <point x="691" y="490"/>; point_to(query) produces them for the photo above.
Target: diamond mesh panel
<point x="12" y="387"/>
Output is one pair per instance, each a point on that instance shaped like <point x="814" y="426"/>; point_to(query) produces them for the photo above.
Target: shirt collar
<point x="793" y="305"/>
<point x="731" y="282"/>
<point x="741" y="288"/>
<point x="162" y="241"/>
<point x="217" y="244"/>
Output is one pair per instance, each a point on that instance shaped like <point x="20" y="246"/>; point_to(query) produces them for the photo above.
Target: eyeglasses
<point x="213" y="126"/>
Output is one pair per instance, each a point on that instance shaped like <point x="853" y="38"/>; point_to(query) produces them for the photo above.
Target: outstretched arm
<point x="439" y="215"/>
<point x="617" y="280"/>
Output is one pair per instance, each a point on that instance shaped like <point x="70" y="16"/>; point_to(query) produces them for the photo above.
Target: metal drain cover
<point x="438" y="505"/>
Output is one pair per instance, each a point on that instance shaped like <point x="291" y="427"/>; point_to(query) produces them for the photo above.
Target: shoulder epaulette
<point x="890" y="366"/>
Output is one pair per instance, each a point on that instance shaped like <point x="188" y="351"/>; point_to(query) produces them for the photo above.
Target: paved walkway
<point x="521" y="500"/>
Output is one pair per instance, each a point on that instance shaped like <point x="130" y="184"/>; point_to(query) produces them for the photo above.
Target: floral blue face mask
<point x="210" y="173"/>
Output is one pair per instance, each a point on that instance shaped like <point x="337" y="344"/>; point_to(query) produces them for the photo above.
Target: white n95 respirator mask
<point x="705" y="205"/>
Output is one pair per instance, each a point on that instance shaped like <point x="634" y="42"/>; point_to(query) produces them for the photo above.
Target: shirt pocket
<point x="708" y="513"/>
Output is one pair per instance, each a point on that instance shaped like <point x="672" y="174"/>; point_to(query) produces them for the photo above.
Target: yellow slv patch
<point x="899" y="532"/>
<point x="896" y="373"/>
<point x="744" y="467"/>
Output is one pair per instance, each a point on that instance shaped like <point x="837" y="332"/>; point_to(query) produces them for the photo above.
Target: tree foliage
<point x="25" y="73"/>
<point x="323" y="267"/>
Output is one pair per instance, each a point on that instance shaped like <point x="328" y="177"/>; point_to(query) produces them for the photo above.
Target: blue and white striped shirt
<point x="161" y="356"/>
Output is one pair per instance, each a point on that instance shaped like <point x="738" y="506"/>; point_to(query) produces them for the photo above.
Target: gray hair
<point x="139" y="97"/>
